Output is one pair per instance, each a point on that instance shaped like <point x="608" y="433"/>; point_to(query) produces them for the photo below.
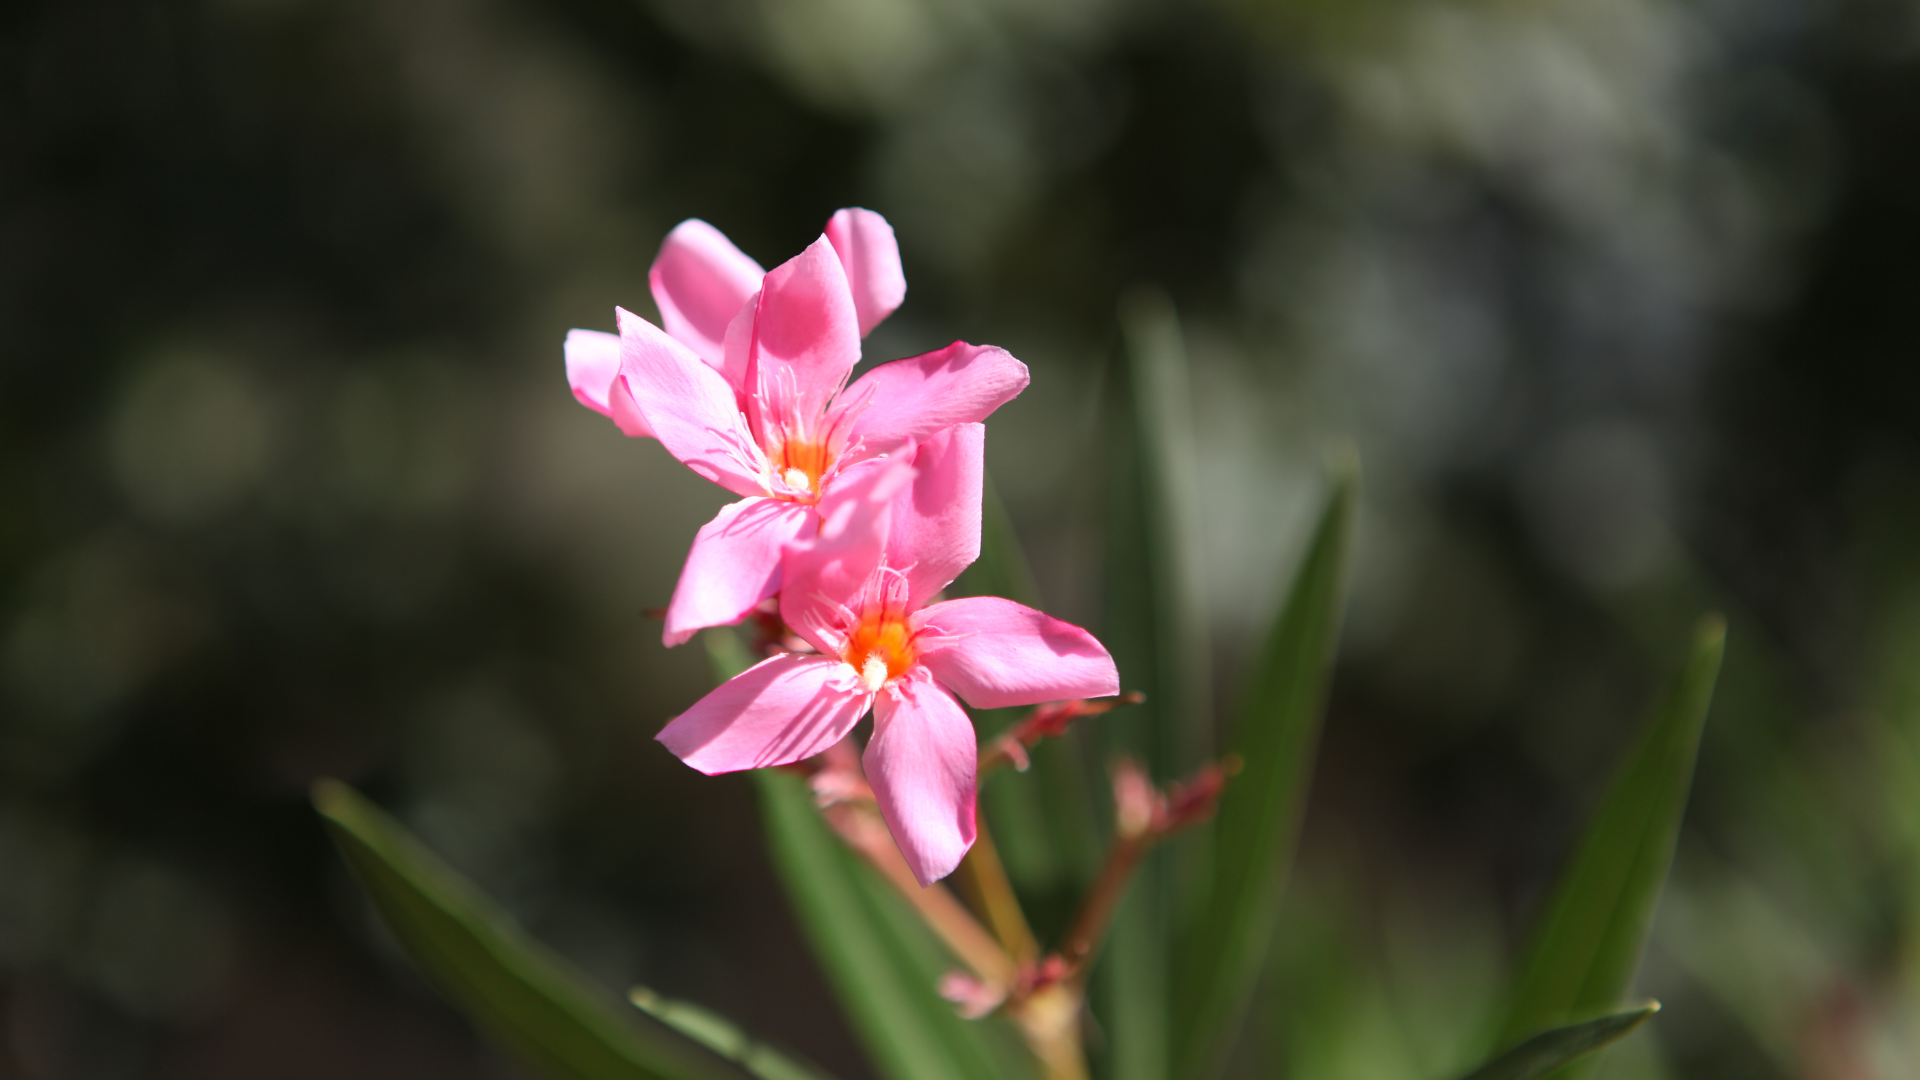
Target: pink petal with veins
<point x="689" y="407"/>
<point x="920" y="763"/>
<point x="915" y="397"/>
<point x="777" y="712"/>
<point x="995" y="653"/>
<point x="593" y="371"/>
<point x="700" y="281"/>
<point x="806" y="338"/>
<point x="935" y="528"/>
<point x="864" y="242"/>
<point x="734" y="564"/>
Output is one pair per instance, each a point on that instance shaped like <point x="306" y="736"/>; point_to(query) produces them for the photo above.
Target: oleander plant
<point x="1040" y="858"/>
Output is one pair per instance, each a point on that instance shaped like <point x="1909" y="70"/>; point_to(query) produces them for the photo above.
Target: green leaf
<point x="727" y="655"/>
<point x="1256" y="828"/>
<point x="528" y="999"/>
<point x="722" y="1036"/>
<point x="1551" y="1050"/>
<point x="883" y="962"/>
<point x="1589" y="941"/>
<point x="1153" y="625"/>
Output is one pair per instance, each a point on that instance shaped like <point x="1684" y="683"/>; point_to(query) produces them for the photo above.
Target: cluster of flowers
<point x="859" y="504"/>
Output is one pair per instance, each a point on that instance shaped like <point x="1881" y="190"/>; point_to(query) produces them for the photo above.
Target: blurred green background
<point x="1618" y="299"/>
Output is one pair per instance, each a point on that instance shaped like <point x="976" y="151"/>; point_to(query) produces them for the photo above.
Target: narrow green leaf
<point x="1133" y="962"/>
<point x="1154" y="627"/>
<point x="1153" y="621"/>
<point x="521" y="994"/>
<point x="727" y="655"/>
<point x="1551" y="1050"/>
<point x="1589" y="941"/>
<point x="1257" y="825"/>
<point x="722" y="1036"/>
<point x="883" y="963"/>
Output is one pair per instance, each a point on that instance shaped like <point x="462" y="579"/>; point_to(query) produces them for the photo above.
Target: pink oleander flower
<point x="892" y="539"/>
<point x="748" y="386"/>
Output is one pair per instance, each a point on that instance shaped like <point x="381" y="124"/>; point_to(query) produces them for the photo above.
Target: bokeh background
<point x="1619" y="301"/>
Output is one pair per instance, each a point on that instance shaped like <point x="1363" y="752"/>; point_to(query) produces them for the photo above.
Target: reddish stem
<point x="1044" y="722"/>
<point x="1096" y="911"/>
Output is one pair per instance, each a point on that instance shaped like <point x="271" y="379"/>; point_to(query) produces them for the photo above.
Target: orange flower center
<point x="880" y="648"/>
<point x="800" y="465"/>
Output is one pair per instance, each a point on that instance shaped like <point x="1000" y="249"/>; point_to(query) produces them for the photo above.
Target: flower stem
<point x="943" y="913"/>
<point x="983" y="881"/>
<point x="1050" y="1018"/>
<point x="1096" y="911"/>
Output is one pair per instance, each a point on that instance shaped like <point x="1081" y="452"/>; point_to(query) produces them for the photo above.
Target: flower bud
<point x="1136" y="804"/>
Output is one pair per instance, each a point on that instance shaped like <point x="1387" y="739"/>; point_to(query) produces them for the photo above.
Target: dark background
<point x="1618" y="300"/>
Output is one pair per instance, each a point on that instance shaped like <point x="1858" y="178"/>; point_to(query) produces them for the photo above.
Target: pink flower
<point x="893" y="538"/>
<point x="748" y="386"/>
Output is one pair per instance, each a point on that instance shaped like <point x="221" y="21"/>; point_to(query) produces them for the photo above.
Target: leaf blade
<point x="1559" y="1047"/>
<point x="1154" y="617"/>
<point x="1593" y="929"/>
<point x="520" y="993"/>
<point x="1153" y="624"/>
<point x="722" y="1036"/>
<point x="1255" y="830"/>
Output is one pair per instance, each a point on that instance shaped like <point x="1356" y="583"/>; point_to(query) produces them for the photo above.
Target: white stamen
<point x="874" y="674"/>
<point x="797" y="478"/>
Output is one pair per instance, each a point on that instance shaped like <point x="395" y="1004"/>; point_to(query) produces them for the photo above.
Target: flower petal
<point x="626" y="411"/>
<point x="700" y="280"/>
<point x="864" y="241"/>
<point x="738" y="346"/>
<point x="593" y="368"/>
<point x="995" y="653"/>
<point x="733" y="565"/>
<point x="822" y="578"/>
<point x="935" y="528"/>
<point x="806" y="338"/>
<point x="920" y="764"/>
<point x="776" y="712"/>
<point x="689" y="407"/>
<point x="915" y="397"/>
